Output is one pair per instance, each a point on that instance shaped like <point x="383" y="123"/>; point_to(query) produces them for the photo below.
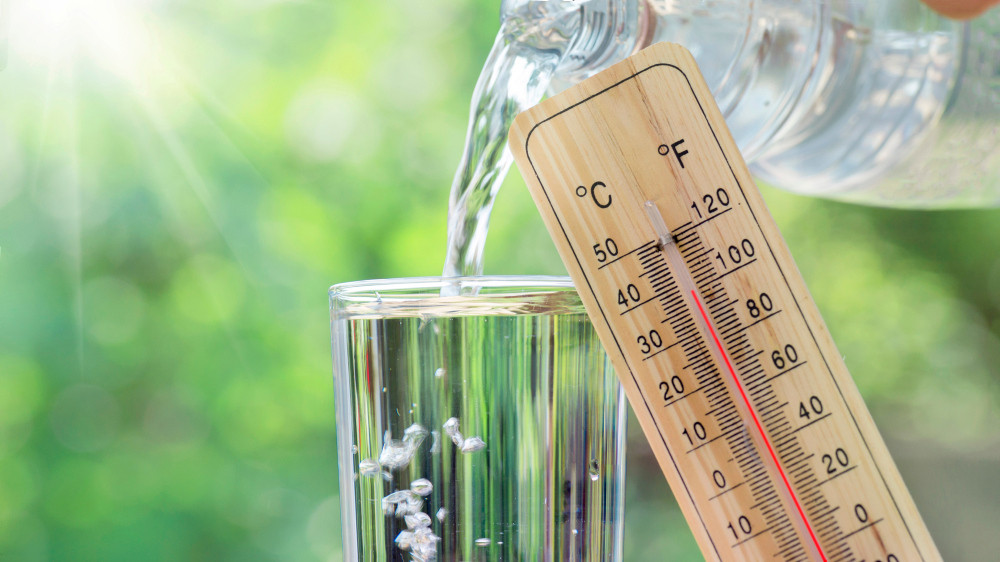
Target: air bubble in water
<point x="451" y="430"/>
<point x="483" y="542"/>
<point x="395" y="454"/>
<point x="417" y="520"/>
<point x="369" y="467"/>
<point x="421" y="542"/>
<point x="402" y="503"/>
<point x="421" y="487"/>
<point x="415" y="433"/>
<point x="470" y="445"/>
<point x="398" y="453"/>
<point x="473" y="444"/>
<point x="404" y="540"/>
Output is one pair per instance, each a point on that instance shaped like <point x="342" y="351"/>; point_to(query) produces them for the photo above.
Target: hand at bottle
<point x="960" y="9"/>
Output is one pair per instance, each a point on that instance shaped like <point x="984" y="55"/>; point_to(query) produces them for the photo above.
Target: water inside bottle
<point x="862" y="124"/>
<point x="822" y="97"/>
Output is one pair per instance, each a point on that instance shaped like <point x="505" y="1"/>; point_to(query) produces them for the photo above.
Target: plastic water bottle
<point x="881" y="102"/>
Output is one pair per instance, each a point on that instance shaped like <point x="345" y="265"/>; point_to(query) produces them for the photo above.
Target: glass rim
<point x="391" y="284"/>
<point x="455" y="296"/>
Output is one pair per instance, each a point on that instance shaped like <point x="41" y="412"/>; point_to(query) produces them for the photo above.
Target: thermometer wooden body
<point x="739" y="388"/>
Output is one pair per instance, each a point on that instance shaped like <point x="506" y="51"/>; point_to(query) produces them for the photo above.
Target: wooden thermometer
<point x="725" y="359"/>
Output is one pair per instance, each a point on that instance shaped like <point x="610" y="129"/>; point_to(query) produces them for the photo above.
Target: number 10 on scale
<point x="738" y="386"/>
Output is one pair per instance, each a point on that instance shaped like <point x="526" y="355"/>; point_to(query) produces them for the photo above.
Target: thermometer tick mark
<point x="873" y="523"/>
<point x="839" y="474"/>
<point x="817" y="420"/>
<point x="774" y="456"/>
<point x="627" y="254"/>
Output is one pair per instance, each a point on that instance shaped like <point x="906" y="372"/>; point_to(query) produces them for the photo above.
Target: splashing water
<point x="530" y="45"/>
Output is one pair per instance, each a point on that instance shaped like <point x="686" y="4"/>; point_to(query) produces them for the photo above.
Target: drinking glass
<point x="478" y="418"/>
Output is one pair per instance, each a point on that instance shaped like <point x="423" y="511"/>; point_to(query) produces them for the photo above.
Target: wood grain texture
<point x="725" y="359"/>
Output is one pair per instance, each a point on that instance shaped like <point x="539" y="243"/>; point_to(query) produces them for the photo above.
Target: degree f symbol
<point x="665" y="149"/>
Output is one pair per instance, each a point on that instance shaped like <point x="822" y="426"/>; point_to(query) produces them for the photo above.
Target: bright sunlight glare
<point x="77" y="47"/>
<point x="110" y="33"/>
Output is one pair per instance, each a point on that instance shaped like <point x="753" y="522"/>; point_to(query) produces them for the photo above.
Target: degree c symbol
<point x="602" y="201"/>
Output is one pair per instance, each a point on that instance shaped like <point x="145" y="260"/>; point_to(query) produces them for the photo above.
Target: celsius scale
<point x="738" y="386"/>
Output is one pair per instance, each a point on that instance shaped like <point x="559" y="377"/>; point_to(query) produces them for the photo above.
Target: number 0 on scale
<point x="751" y="412"/>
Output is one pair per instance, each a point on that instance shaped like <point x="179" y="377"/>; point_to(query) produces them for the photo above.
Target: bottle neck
<point x="750" y="52"/>
<point x="609" y="31"/>
<point x="586" y="35"/>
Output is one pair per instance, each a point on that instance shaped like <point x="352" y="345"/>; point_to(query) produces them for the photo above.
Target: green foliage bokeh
<point x="181" y="181"/>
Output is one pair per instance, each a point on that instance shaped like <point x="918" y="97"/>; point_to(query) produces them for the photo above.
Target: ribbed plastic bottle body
<point x="840" y="98"/>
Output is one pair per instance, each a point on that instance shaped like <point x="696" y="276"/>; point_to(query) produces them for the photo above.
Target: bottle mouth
<point x="587" y="35"/>
<point x="608" y="31"/>
<point x="544" y="26"/>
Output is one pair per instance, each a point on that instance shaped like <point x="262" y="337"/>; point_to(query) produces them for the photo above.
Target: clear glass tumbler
<point x="484" y="426"/>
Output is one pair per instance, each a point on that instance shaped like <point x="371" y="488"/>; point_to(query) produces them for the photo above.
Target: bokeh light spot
<point x="22" y="386"/>
<point x="22" y="391"/>
<point x="113" y="309"/>
<point x="171" y="420"/>
<point x="209" y="289"/>
<point x="25" y="539"/>
<point x="85" y="418"/>
<point x="78" y="494"/>
<point x="326" y="120"/>
<point x="251" y="416"/>
<point x="11" y="162"/>
<point x="18" y="489"/>
<point x="324" y="542"/>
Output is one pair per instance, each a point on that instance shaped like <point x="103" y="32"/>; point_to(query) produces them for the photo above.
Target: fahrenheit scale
<point x="725" y="359"/>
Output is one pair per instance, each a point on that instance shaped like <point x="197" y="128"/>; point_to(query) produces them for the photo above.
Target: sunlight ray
<point x="60" y="71"/>
<point x="200" y="187"/>
<point x="220" y="116"/>
<point x="75" y="215"/>
<point x="117" y="40"/>
<point x="43" y="121"/>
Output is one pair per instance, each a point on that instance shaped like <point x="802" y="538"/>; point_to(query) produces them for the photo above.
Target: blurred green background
<point x="181" y="181"/>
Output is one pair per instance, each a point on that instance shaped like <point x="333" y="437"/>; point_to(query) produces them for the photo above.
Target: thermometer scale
<point x="738" y="386"/>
